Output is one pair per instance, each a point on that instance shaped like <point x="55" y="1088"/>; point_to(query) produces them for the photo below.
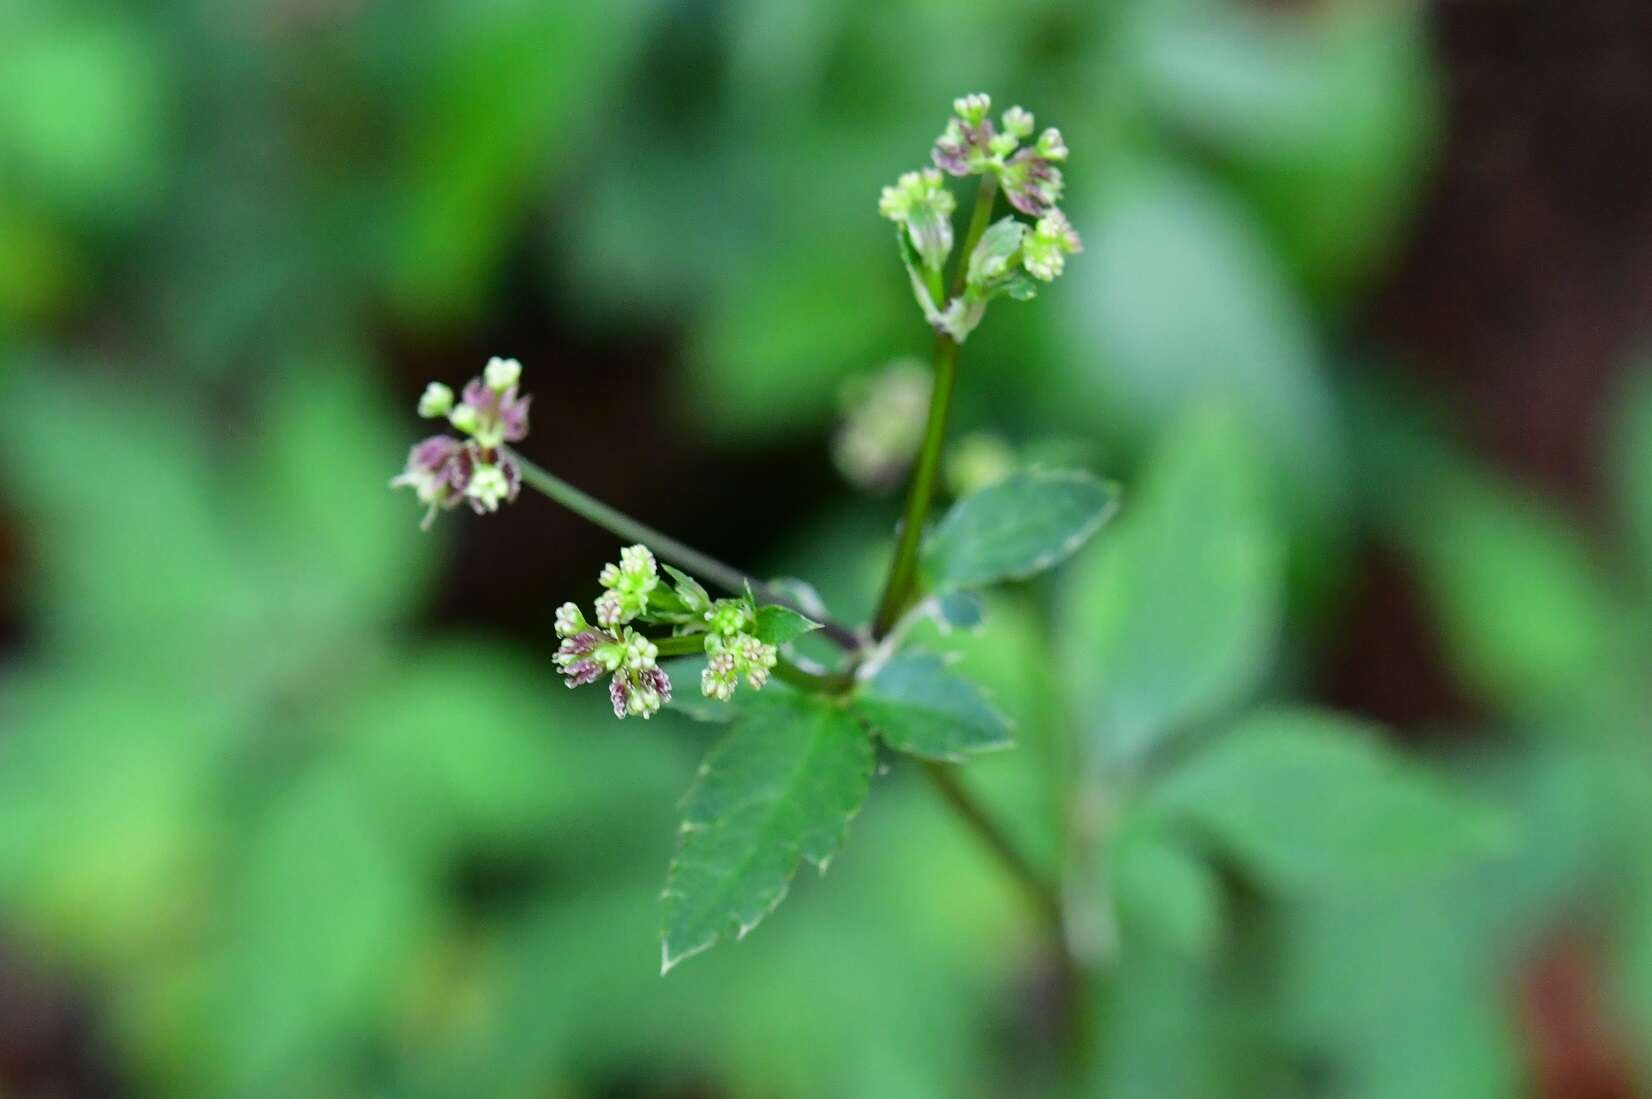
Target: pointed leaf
<point x="1312" y="801"/>
<point x="919" y="707"/>
<point x="777" y="625"/>
<point x="781" y="788"/>
<point x="1172" y="620"/>
<point x="1017" y="528"/>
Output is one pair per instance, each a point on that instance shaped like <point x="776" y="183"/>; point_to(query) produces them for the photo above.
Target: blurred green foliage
<point x="288" y="840"/>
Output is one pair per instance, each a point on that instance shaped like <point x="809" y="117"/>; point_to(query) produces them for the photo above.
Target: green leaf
<point x="778" y="625"/>
<point x="1524" y="610"/>
<point x="1166" y="893"/>
<point x="326" y="915"/>
<point x="1017" y="528"/>
<point x="1163" y="246"/>
<point x="1172" y="619"/>
<point x="1311" y="801"/>
<point x="919" y="707"/>
<point x="781" y="788"/>
<point x="959" y="610"/>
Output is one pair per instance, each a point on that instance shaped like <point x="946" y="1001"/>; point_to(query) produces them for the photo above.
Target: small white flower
<point x="501" y="374"/>
<point x="436" y="401"/>
<point x="488" y="487"/>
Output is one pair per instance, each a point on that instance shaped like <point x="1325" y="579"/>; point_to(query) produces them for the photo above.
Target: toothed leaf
<point x="781" y="788"/>
<point x="778" y="625"/>
<point x="919" y="707"/>
<point x="1016" y="528"/>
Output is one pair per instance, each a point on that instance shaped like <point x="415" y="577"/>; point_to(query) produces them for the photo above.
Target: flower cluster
<point x="1011" y="257"/>
<point x="920" y="202"/>
<point x="636" y="593"/>
<point x="969" y="146"/>
<point x="639" y="686"/>
<point x="444" y="471"/>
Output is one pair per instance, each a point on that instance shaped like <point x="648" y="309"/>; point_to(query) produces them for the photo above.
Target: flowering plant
<point x="804" y="735"/>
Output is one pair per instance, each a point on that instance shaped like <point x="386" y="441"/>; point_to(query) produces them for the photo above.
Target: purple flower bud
<point x="581" y="672"/>
<point x="500" y="417"/>
<point x="438" y="471"/>
<point x="1031" y="183"/>
<point x="658" y="681"/>
<point x="619" y="693"/>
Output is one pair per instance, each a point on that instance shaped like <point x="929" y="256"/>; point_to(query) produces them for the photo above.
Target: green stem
<point x="685" y="557"/>
<point x="903" y="572"/>
<point x="830" y="683"/>
<point x="1040" y="894"/>
<point x="687" y="645"/>
<point x="1043" y="896"/>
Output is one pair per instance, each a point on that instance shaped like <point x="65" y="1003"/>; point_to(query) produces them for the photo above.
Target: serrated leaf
<point x="919" y="707"/>
<point x="777" y="625"/>
<point x="780" y="789"/>
<point x="1017" y="528"/>
<point x="1173" y="619"/>
<point x="1311" y="801"/>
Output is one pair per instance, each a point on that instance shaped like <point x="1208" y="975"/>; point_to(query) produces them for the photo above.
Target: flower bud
<point x="1018" y="123"/>
<point x="1046" y="250"/>
<point x="436" y="401"/>
<point x="501" y="374"/>
<point x="973" y="108"/>
<point x="921" y="202"/>
<point x="1051" y="146"/>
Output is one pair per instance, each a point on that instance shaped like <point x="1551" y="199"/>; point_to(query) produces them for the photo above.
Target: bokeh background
<point x="291" y="802"/>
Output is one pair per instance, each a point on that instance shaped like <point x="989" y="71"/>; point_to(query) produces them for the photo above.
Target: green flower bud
<point x="488" y="487"/>
<point x="1018" y="122"/>
<point x="1052" y="240"/>
<point x="501" y="374"/>
<point x="465" y="418"/>
<point x="921" y="202"/>
<point x="973" y="108"/>
<point x="1051" y="146"/>
<point x="436" y="401"/>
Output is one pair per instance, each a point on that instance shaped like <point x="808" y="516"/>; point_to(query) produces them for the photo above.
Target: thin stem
<point x="685" y="557"/>
<point x="1043" y="896"/>
<point x="827" y="683"/>
<point x="1039" y="893"/>
<point x="903" y="572"/>
<point x="687" y="645"/>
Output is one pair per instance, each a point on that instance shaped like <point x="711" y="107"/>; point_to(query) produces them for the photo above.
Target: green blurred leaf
<point x="780" y="789"/>
<point x="778" y="625"/>
<point x="517" y="84"/>
<point x="327" y="908"/>
<point x="1171" y="619"/>
<point x="1017" y="528"/>
<point x="1177" y="305"/>
<point x="1524" y="611"/>
<point x="1326" y="116"/>
<point x="1165" y="893"/>
<point x="128" y="534"/>
<point x="341" y="548"/>
<point x="1312" y="801"/>
<point x="83" y="109"/>
<point x="919" y="707"/>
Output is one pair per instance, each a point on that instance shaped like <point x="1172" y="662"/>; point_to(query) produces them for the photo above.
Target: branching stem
<point x="899" y="589"/>
<point x="685" y="557"/>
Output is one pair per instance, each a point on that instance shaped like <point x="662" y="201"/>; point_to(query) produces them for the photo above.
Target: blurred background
<point x="291" y="801"/>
